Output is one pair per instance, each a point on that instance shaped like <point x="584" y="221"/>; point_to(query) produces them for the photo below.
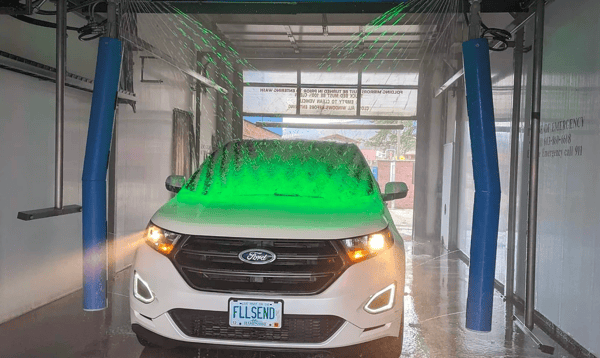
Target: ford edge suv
<point x="273" y="245"/>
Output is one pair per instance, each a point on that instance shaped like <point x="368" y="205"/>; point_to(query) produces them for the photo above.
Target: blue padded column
<point x="95" y="166"/>
<point x="486" y="175"/>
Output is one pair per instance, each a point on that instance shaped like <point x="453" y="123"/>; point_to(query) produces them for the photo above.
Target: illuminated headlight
<point x="364" y="247"/>
<point x="141" y="290"/>
<point x="161" y="240"/>
<point x="382" y="300"/>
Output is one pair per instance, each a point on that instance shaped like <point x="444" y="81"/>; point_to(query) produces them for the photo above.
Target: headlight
<point x="364" y="247"/>
<point x="161" y="240"/>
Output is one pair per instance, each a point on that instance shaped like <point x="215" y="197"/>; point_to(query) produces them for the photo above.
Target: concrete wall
<point x="568" y="241"/>
<point x="429" y="154"/>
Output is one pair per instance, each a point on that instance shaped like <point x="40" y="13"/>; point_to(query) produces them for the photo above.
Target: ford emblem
<point x="257" y="256"/>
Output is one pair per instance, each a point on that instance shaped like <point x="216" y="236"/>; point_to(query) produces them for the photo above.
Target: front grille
<point x="301" y="268"/>
<point x="294" y="328"/>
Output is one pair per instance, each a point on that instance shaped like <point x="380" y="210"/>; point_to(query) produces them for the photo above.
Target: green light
<point x="278" y="180"/>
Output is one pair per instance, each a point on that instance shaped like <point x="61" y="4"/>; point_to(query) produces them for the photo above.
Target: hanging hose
<point x="31" y="20"/>
<point x="492" y="33"/>
<point x="80" y="6"/>
<point x="91" y="31"/>
<point x="499" y="35"/>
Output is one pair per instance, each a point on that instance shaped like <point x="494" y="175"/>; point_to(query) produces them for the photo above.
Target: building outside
<point x="252" y="131"/>
<point x="398" y="171"/>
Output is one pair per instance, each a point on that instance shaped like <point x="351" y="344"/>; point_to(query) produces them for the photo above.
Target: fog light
<point x="382" y="300"/>
<point x="141" y="290"/>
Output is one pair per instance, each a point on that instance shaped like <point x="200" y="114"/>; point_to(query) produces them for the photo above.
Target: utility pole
<point x="398" y="154"/>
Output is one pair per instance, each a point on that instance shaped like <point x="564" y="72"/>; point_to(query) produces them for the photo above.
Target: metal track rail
<point x="47" y="73"/>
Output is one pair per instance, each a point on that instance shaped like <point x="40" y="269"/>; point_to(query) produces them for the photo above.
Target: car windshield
<point x="307" y="169"/>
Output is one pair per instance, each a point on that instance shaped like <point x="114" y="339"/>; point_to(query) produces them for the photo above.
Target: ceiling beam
<point x="306" y="20"/>
<point x="324" y="116"/>
<point x="312" y="7"/>
<point x="353" y="34"/>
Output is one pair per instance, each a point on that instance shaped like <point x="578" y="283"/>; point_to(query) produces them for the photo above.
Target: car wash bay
<point x="334" y="69"/>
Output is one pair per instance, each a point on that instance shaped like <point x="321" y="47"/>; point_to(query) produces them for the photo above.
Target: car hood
<point x="271" y="216"/>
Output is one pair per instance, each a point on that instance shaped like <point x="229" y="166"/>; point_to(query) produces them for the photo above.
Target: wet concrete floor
<point x="435" y="296"/>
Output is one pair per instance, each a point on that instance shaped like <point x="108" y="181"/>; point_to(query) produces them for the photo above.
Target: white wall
<point x="145" y="137"/>
<point x="144" y="141"/>
<point x="568" y="241"/>
<point x="39" y="260"/>
<point x="568" y="261"/>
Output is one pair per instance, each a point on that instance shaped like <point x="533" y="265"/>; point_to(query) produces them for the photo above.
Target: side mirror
<point x="174" y="183"/>
<point x="395" y="190"/>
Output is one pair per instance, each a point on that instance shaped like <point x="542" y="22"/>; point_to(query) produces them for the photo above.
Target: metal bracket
<point x="541" y="346"/>
<point x="143" y="45"/>
<point x="48" y="212"/>
<point x="292" y="39"/>
<point x="513" y="27"/>
<point x="143" y="65"/>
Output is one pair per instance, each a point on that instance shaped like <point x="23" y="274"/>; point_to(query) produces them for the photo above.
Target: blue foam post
<point x="95" y="166"/>
<point x="486" y="175"/>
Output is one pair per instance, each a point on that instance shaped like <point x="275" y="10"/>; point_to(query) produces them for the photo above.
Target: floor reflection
<point x="207" y="353"/>
<point x="435" y="301"/>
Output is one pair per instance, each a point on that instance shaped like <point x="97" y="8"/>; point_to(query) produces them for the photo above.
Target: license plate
<point x="260" y="314"/>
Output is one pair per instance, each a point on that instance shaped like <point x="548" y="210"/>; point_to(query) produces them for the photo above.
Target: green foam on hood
<point x="291" y="183"/>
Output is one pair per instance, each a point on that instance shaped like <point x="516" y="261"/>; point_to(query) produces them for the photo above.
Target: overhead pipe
<point x="95" y="167"/>
<point x="486" y="175"/>
<point x="61" y="73"/>
<point x="534" y="149"/>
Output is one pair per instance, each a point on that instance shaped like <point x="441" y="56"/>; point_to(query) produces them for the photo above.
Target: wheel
<point x="144" y="342"/>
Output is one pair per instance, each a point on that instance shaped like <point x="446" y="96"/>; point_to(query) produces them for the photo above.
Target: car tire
<point x="145" y="342"/>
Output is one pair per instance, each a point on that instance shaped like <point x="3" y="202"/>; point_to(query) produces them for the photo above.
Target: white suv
<point x="273" y="245"/>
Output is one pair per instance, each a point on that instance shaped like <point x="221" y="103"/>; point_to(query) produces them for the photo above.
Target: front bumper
<point x="345" y="298"/>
